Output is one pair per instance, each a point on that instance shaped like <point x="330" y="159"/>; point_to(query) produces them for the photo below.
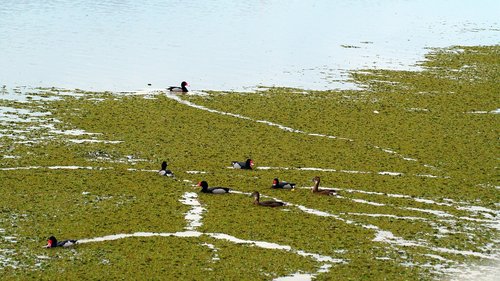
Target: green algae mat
<point x="412" y="154"/>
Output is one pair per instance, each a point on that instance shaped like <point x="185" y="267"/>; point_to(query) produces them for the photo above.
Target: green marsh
<point x="414" y="156"/>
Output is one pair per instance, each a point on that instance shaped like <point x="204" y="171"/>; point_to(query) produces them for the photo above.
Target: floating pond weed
<point x="412" y="154"/>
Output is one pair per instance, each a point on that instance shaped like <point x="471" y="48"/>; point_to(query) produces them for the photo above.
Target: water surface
<point x="224" y="45"/>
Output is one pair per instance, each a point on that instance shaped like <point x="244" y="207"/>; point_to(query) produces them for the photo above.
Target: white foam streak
<point x="142" y="170"/>
<point x="268" y="245"/>
<point x="394" y="174"/>
<point x="260" y="244"/>
<point x="316" y="169"/>
<point x="460" y="252"/>
<point x="367" y="202"/>
<point x="193" y="216"/>
<point x="477" y="209"/>
<point x="282" y="127"/>
<point x="140" y="234"/>
<point x="269" y="123"/>
<point x="212" y="247"/>
<point x="417" y="199"/>
<point x="382" y="173"/>
<point x="388" y="237"/>
<point x="188" y="103"/>
<point x="69" y="167"/>
<point x="388" y="216"/>
<point x="380" y="235"/>
<point x="80" y="141"/>
<point x="218" y="236"/>
<point x="54" y="168"/>
<point x="428" y="201"/>
<point x="320" y="258"/>
<point x="20" y="168"/>
<point x="75" y="132"/>
<point x="434" y="212"/>
<point x="317" y="212"/>
<point x="483" y="272"/>
<point x="295" y="277"/>
<point x="240" y="192"/>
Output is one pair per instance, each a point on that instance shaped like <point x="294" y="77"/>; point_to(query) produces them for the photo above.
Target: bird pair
<point x="276" y="183"/>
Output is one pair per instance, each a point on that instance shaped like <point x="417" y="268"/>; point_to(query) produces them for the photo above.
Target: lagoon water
<point x="227" y="45"/>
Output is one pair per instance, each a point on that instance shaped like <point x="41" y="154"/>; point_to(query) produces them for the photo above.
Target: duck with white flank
<point x="52" y="242"/>
<point x="285" y="185"/>
<point x="214" y="190"/>
<point x="247" y="165"/>
<point x="256" y="201"/>
<point x="316" y="189"/>
<point x="181" y="89"/>
<point x="164" y="171"/>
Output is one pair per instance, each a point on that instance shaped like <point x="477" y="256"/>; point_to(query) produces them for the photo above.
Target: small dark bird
<point x="52" y="242"/>
<point x="214" y="190"/>
<point x="163" y="171"/>
<point x="316" y="189"/>
<point x="285" y="185"/>
<point x="181" y="89"/>
<point x="256" y="201"/>
<point x="247" y="165"/>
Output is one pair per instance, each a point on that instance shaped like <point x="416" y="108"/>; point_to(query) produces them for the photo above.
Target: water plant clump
<point x="412" y="157"/>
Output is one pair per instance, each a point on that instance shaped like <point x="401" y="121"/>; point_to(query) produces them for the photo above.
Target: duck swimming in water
<point x="214" y="190"/>
<point x="316" y="189"/>
<point x="247" y="165"/>
<point x="52" y="242"/>
<point x="256" y="201"/>
<point x="181" y="89"/>
<point x="285" y="185"/>
<point x="163" y="171"/>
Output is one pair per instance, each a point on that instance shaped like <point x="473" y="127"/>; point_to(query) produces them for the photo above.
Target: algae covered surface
<point x="413" y="155"/>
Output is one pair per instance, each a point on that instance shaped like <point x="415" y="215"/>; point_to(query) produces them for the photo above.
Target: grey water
<point x="227" y="45"/>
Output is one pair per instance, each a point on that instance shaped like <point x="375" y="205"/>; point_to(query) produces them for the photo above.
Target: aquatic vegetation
<point x="413" y="161"/>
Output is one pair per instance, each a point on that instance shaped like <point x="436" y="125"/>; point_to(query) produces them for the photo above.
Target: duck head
<point x="249" y="163"/>
<point x="203" y="184"/>
<point x="256" y="196"/>
<point x="164" y="165"/>
<point x="316" y="180"/>
<point x="316" y="184"/>
<point x="184" y="84"/>
<point x="52" y="242"/>
<point x="276" y="181"/>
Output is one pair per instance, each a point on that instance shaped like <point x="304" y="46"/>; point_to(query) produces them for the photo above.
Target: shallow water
<point x="223" y="45"/>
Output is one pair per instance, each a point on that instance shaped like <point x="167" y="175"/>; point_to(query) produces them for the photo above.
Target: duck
<point x="286" y="185"/>
<point x="163" y="171"/>
<point x="181" y="89"/>
<point x="214" y="190"/>
<point x="316" y="190"/>
<point x="52" y="242"/>
<point x="256" y="201"/>
<point x="247" y="165"/>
